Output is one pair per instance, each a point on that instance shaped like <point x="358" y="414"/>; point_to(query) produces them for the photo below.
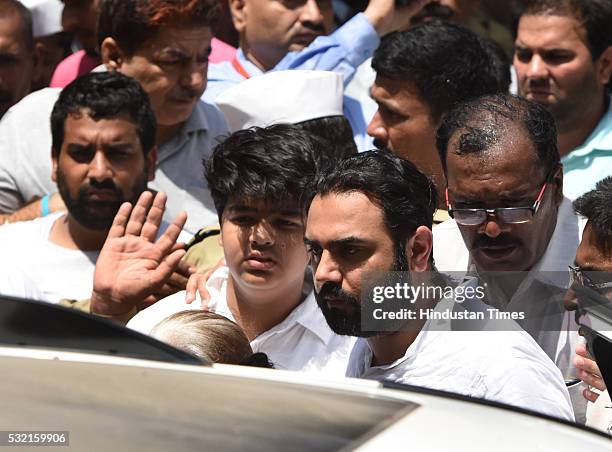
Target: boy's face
<point x="263" y="245"/>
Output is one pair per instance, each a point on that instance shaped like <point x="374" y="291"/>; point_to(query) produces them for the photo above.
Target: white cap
<point x="46" y="16"/>
<point x="282" y="97"/>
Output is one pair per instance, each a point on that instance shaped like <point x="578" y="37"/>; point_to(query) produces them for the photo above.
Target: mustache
<point x="332" y="291"/>
<point x="486" y="241"/>
<point x="310" y="26"/>
<point x="432" y="10"/>
<point x="106" y="184"/>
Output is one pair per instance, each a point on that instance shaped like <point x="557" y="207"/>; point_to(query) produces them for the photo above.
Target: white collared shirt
<point x="499" y="362"/>
<point x="302" y="341"/>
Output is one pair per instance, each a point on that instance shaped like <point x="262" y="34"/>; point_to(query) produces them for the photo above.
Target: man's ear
<point x="603" y="66"/>
<point x="112" y="55"/>
<point x="237" y="8"/>
<point x="419" y="249"/>
<point x="54" y="164"/>
<point x="151" y="162"/>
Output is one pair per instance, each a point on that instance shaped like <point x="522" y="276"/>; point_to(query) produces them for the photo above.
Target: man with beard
<point x="563" y="60"/>
<point x="164" y="45"/>
<point x="103" y="154"/>
<point x="373" y="213"/>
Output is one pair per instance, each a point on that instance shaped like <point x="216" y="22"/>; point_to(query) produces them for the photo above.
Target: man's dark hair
<point x="335" y="133"/>
<point x="10" y="8"/>
<point x="445" y="62"/>
<point x="275" y="164"/>
<point x="406" y="196"/>
<point x="132" y="22"/>
<point x="103" y="95"/>
<point x="596" y="206"/>
<point x="482" y="122"/>
<point x="595" y="16"/>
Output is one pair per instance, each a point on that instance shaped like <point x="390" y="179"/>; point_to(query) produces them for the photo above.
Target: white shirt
<point x="54" y="271"/>
<point x="14" y="283"/>
<point x="499" y="363"/>
<point x="303" y="341"/>
<point x="25" y="159"/>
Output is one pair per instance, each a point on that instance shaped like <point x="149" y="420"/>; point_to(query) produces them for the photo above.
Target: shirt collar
<point x="307" y="313"/>
<point x="600" y="138"/>
<point x="247" y="65"/>
<point x="197" y="120"/>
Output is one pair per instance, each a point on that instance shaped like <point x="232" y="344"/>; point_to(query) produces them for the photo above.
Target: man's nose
<point x="327" y="270"/>
<point x="376" y="129"/>
<point x="537" y="68"/>
<point x="311" y="12"/>
<point x="492" y="227"/>
<point x="262" y="235"/>
<point x="99" y="167"/>
<point x="194" y="77"/>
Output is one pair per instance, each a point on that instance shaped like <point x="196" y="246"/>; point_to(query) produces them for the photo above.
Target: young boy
<point x="258" y="179"/>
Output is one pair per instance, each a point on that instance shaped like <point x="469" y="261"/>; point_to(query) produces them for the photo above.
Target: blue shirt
<point x="342" y="51"/>
<point x="590" y="162"/>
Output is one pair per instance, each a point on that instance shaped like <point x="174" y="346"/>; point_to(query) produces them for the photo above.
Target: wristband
<point x="44" y="206"/>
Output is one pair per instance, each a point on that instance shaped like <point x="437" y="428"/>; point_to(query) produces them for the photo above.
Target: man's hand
<point x="588" y="372"/>
<point x="385" y="17"/>
<point x="133" y="265"/>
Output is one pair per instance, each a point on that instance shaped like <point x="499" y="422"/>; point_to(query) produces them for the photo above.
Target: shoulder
<point x="29" y="229"/>
<point x="35" y="105"/>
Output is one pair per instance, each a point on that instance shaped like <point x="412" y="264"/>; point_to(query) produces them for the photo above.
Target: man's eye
<point x="558" y="58"/>
<point x="524" y="56"/>
<point x="313" y="251"/>
<point x="287" y="224"/>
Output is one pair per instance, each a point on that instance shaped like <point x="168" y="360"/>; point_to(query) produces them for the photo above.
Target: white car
<point x="105" y="402"/>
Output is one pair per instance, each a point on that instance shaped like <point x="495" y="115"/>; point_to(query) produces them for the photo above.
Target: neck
<point x="388" y="348"/>
<point x="68" y="233"/>
<point x="166" y="133"/>
<point x="572" y="135"/>
<point x="265" y="64"/>
<point x="258" y="311"/>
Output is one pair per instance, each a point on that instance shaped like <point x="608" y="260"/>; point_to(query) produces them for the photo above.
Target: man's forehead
<point x="591" y="253"/>
<point x="120" y="127"/>
<point x="549" y="31"/>
<point x="334" y="216"/>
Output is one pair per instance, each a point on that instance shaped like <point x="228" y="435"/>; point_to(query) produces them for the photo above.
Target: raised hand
<point x="134" y="264"/>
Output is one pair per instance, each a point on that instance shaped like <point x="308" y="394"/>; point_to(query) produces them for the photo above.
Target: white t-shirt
<point x="15" y="283"/>
<point x="303" y="341"/>
<point x="56" y="271"/>
<point x="499" y="363"/>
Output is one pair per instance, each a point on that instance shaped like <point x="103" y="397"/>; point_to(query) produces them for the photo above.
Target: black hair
<point x="274" y="164"/>
<point x="406" y="196"/>
<point x="9" y="8"/>
<point x="103" y="95"/>
<point x="482" y="122"/>
<point x="335" y="132"/>
<point x="596" y="206"/>
<point x="595" y="16"/>
<point x="132" y="22"/>
<point x="445" y="62"/>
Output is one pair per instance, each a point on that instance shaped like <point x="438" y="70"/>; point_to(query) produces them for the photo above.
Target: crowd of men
<point x="231" y="178"/>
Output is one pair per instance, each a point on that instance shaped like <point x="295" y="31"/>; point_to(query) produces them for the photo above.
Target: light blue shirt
<point x="590" y="162"/>
<point x="342" y="51"/>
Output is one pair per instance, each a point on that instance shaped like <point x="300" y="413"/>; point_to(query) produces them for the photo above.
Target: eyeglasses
<point x="508" y="215"/>
<point x="578" y="276"/>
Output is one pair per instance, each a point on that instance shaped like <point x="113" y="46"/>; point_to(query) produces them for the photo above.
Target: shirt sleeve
<point x="342" y="51"/>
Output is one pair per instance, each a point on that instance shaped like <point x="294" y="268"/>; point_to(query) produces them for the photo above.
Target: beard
<point x="97" y="215"/>
<point x="347" y="322"/>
